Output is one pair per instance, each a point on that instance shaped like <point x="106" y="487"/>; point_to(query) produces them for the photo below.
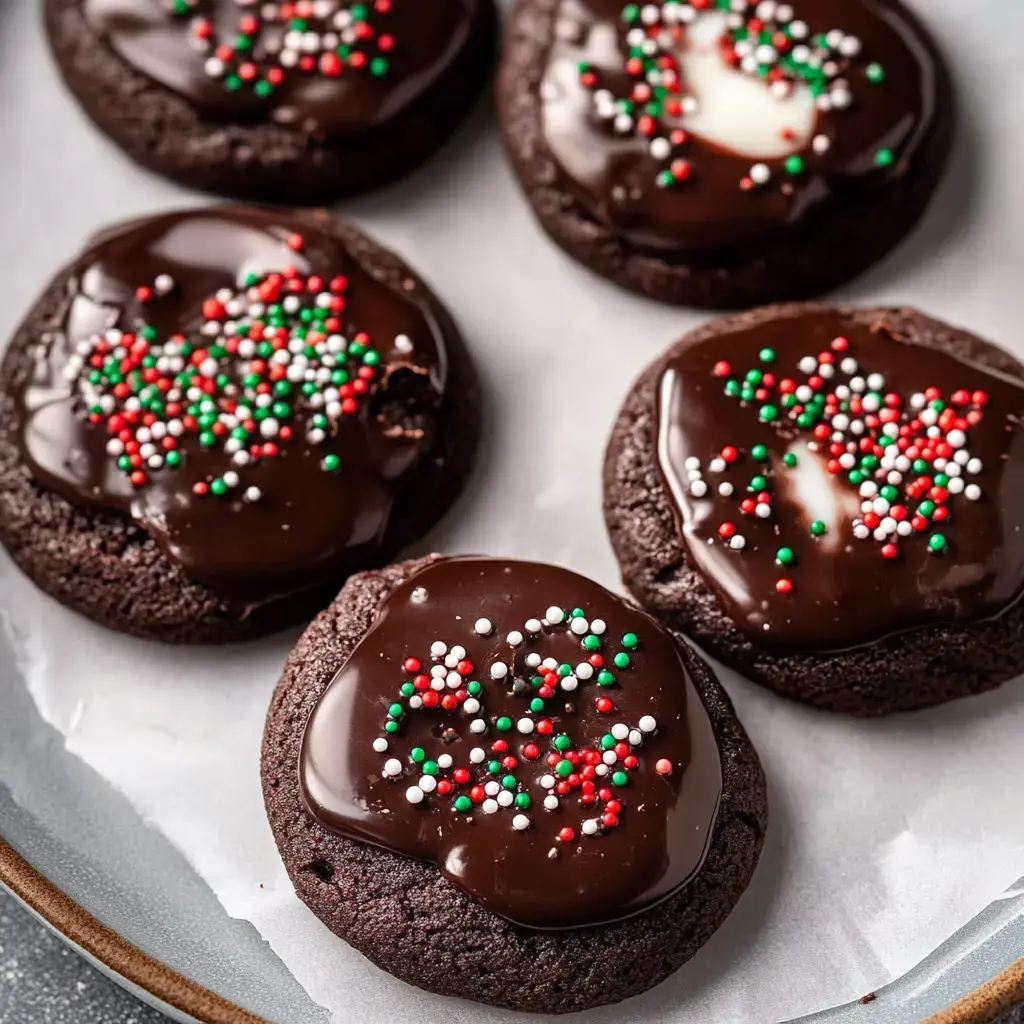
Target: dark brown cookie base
<point x="109" y="569"/>
<point x="408" y="919"/>
<point x="834" y="248"/>
<point x="265" y="162"/>
<point x="902" y="672"/>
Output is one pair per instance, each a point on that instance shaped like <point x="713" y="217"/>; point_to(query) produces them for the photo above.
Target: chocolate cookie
<point x="725" y="154"/>
<point x="497" y="780"/>
<point x="832" y="501"/>
<point x="301" y="102"/>
<point x="212" y="417"/>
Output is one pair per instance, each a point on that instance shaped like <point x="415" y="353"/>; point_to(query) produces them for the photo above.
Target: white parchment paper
<point x="878" y="830"/>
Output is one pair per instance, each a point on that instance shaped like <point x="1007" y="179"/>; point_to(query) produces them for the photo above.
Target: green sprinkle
<point x="619" y="778"/>
<point x="767" y="355"/>
<point x="875" y="73"/>
<point x="790" y="459"/>
<point x="407" y="690"/>
<point x="608" y="741"/>
<point x="591" y="642"/>
<point x="494" y="767"/>
<point x="509" y="782"/>
<point x="537" y="704"/>
<point x="562" y="742"/>
<point x="884" y="158"/>
<point x="757" y="483"/>
<point x="395" y="711"/>
<point x="219" y="488"/>
<point x="818" y="528"/>
<point x="463" y="804"/>
<point x="331" y="463"/>
<point x="503" y="724"/>
<point x="784" y="556"/>
<point x="759" y="453"/>
<point x="391" y="727"/>
<point x="794" y="164"/>
<point x="523" y="801"/>
<point x="937" y="543"/>
<point x="563" y="768"/>
<point x="473" y="688"/>
<point x="630" y="641"/>
<point x="605" y="678"/>
<point x="621" y="660"/>
<point x="430" y="768"/>
<point x="768" y="413"/>
<point x="418" y="754"/>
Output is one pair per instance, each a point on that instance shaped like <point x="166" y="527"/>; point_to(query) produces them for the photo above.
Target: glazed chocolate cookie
<point x="301" y="102"/>
<point x="211" y="418"/>
<point x="497" y="780"/>
<point x="725" y="154"/>
<point x="832" y="501"/>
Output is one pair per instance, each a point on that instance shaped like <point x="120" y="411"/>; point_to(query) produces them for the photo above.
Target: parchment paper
<point x="885" y="837"/>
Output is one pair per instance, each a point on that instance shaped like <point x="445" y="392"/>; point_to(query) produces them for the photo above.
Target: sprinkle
<point x="483" y="627"/>
<point x="663" y="766"/>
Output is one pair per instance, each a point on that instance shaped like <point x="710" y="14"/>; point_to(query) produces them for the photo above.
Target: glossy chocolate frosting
<point x="427" y="39"/>
<point x="849" y="587"/>
<point x="308" y="523"/>
<point x="849" y="153"/>
<point x="516" y="861"/>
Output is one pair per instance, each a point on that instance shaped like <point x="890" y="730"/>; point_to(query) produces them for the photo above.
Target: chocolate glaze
<point x="613" y="177"/>
<point x="309" y="524"/>
<point x="845" y="594"/>
<point x="529" y="876"/>
<point x="428" y="39"/>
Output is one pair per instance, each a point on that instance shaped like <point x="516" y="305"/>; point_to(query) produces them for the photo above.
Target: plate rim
<point x="81" y="928"/>
<point x="67" y="917"/>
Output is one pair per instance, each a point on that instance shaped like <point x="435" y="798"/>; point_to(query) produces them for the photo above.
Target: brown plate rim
<point x="982" y="1006"/>
<point x="75" y="923"/>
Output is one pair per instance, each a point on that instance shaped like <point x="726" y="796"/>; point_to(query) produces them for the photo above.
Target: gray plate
<point x="86" y="839"/>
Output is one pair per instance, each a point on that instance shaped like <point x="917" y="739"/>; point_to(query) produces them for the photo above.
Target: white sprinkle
<point x="477" y="754"/>
<point x="974" y="466"/>
<point x="445" y="761"/>
<point x="620" y="730"/>
<point x="579" y="626"/>
<point x="590" y="826"/>
<point x="725" y="489"/>
<point x="598" y="626"/>
<point x="760" y="174"/>
<point x="532" y="660"/>
<point x="380" y="744"/>
<point x="414" y="794"/>
<point x="471" y="705"/>
<point x="647" y="723"/>
<point x="763" y="511"/>
<point x="478" y="725"/>
<point x="808" y="364"/>
<point x="252" y="494"/>
<point x="403" y="343"/>
<point x="692" y="462"/>
<point x="609" y="757"/>
<point x="489" y="806"/>
<point x="415" y="702"/>
<point x="392" y="766"/>
<point x="525" y="726"/>
<point x="738" y="542"/>
<point x="551" y="802"/>
<point x="636" y="737"/>
<point x="418" y="596"/>
<point x="520" y="822"/>
<point x="505" y="798"/>
<point x="499" y="670"/>
<point x="438" y="649"/>
<point x="554" y="615"/>
<point x="972" y="492"/>
<point x="569" y="683"/>
<point x="533" y="626"/>
<point x="821" y="144"/>
<point x="547" y="781"/>
<point x="515" y="638"/>
<point x="483" y="627"/>
<point x="698" y="488"/>
<point x="427" y="783"/>
<point x="454" y="680"/>
<point x="717" y="465"/>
